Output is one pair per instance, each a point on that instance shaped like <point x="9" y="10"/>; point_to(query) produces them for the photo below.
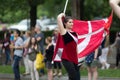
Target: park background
<point x="13" y="11"/>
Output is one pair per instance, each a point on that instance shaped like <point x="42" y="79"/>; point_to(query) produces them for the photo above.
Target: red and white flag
<point x="90" y="36"/>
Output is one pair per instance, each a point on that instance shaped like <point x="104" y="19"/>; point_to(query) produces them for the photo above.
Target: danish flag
<point x="90" y="37"/>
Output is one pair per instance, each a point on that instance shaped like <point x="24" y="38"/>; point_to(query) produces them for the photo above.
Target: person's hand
<point x="12" y="46"/>
<point x="61" y="15"/>
<point x="1" y="45"/>
<point x="114" y="1"/>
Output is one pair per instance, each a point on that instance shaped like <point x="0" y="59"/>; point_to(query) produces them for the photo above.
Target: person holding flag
<point x="115" y="6"/>
<point x="69" y="54"/>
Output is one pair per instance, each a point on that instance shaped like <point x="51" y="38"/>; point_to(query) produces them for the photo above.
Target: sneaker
<point x="107" y="66"/>
<point x="24" y="74"/>
<point x="54" y="74"/>
<point x="60" y="74"/>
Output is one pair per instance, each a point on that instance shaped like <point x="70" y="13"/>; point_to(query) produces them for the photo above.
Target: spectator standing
<point x="105" y="50"/>
<point x="103" y="58"/>
<point x="25" y="53"/>
<point x="18" y="52"/>
<point x="91" y="62"/>
<point x="32" y="52"/>
<point x="40" y="40"/>
<point x="6" y="47"/>
<point x="48" y="57"/>
<point x="11" y="41"/>
<point x="57" y="66"/>
<point x="117" y="45"/>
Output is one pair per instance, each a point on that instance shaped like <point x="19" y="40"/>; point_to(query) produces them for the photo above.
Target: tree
<point x="77" y="8"/>
<point x="33" y="11"/>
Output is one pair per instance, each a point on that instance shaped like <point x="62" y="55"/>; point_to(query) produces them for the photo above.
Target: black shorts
<point x="48" y="65"/>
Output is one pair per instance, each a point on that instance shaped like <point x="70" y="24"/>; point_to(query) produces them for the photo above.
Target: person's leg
<point x="25" y="60"/>
<point x="117" y="60"/>
<point x="78" y="72"/>
<point x="7" y="57"/>
<point x="89" y="73"/>
<point x="70" y="68"/>
<point x="59" y="65"/>
<point x="16" y="67"/>
<point x="31" y="66"/>
<point x="55" y="68"/>
<point x="59" y="68"/>
<point x="107" y="65"/>
<point x="103" y="65"/>
<point x="95" y="73"/>
<point x="36" y="72"/>
<point x="50" y="74"/>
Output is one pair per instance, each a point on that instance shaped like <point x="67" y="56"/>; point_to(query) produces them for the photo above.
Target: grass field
<point x="83" y="71"/>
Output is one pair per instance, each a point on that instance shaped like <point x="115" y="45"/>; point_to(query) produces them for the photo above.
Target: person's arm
<point x="115" y="6"/>
<point x="39" y="38"/>
<point x="19" y="46"/>
<point x="60" y="23"/>
<point x="26" y="44"/>
<point x="96" y="53"/>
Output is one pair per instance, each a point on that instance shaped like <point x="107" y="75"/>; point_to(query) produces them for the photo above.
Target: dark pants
<point x="118" y="57"/>
<point x="57" y="65"/>
<point x="8" y="58"/>
<point x="16" y="70"/>
<point x="72" y="70"/>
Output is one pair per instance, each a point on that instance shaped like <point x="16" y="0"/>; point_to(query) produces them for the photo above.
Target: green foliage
<point x="13" y="10"/>
<point x="1" y="35"/>
<point x="48" y="33"/>
<point x="96" y="8"/>
<point x="55" y="6"/>
<point x="41" y="11"/>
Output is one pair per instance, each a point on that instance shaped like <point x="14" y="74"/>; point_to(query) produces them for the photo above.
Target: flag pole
<point x="65" y="6"/>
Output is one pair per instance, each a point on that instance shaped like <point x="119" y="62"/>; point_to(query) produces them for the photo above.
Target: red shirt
<point x="70" y="48"/>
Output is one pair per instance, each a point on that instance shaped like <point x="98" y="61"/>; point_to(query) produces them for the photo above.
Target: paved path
<point x="10" y="77"/>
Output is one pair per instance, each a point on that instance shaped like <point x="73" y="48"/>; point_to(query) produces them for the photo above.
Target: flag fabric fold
<point x="90" y="37"/>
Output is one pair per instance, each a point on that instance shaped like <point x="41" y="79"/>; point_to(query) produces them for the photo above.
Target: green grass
<point x="104" y="73"/>
<point x="83" y="71"/>
<point x="8" y="69"/>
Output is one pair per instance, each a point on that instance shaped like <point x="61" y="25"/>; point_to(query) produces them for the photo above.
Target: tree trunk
<point x="82" y="9"/>
<point x="33" y="16"/>
<point x="77" y="8"/>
